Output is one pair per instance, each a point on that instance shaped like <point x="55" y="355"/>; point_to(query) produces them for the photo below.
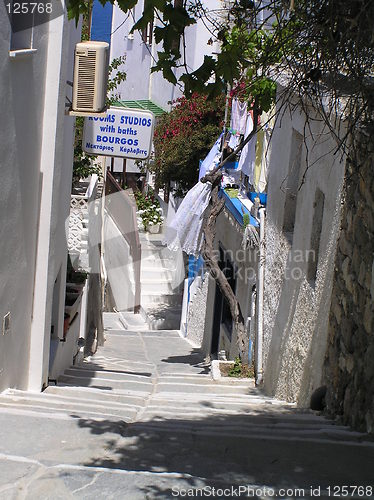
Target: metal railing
<point x="122" y="210"/>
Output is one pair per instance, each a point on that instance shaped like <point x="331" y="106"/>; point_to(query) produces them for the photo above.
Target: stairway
<point x="147" y="376"/>
<point x="162" y="277"/>
<point x="143" y="416"/>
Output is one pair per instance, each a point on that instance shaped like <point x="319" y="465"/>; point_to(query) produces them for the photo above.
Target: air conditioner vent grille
<point x="86" y="75"/>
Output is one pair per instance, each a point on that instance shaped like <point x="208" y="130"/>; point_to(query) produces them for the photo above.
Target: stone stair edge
<point x="37" y="410"/>
<point x="85" y="371"/>
<point x="114" y="391"/>
<point x="46" y="399"/>
<point x="51" y="395"/>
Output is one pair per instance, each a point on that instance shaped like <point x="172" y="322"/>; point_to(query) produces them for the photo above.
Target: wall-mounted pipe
<point x="260" y="302"/>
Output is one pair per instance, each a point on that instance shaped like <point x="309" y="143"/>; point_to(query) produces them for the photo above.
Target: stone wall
<point x="349" y="364"/>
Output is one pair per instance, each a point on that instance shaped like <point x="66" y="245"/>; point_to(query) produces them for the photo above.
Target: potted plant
<point x="152" y="219"/>
<point x="149" y="211"/>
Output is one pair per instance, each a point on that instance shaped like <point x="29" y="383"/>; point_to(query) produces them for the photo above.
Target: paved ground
<point x="142" y="419"/>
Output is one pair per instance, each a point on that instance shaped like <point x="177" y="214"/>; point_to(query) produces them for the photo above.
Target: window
<point x="315" y="239"/>
<point x="292" y="185"/>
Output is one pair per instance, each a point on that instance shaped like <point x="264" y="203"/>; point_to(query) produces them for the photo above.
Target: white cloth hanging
<point x="234" y="141"/>
<point x="238" y="116"/>
<point x="248" y="153"/>
<point x="269" y="120"/>
<point x="229" y="178"/>
<point x="186" y="229"/>
<point x="212" y="159"/>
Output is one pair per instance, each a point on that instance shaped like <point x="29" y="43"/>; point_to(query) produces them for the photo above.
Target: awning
<point x="145" y="104"/>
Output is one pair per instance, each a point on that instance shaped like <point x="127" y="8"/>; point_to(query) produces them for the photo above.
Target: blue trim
<point x="101" y="23"/>
<point x="263" y="197"/>
<point x="237" y="209"/>
<point x="195" y="267"/>
<point x="231" y="165"/>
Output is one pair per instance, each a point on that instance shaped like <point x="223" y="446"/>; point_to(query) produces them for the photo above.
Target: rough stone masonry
<point x="349" y="363"/>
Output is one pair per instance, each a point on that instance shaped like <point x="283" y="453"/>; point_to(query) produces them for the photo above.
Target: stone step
<point x="109" y="384"/>
<point x="155" y="244"/>
<point x="123" y="392"/>
<point x="154" y="272"/>
<point x="54" y="413"/>
<point x="78" y="395"/>
<point x="162" y="399"/>
<point x="131" y="335"/>
<point x="152" y="259"/>
<point x="96" y="395"/>
<point x="161" y="286"/>
<point x="62" y="398"/>
<point x="150" y="251"/>
<point x="164" y="323"/>
<point x="249" y="408"/>
<point x="206" y="380"/>
<point x="245" y="418"/>
<point x="164" y="318"/>
<point x="118" y="375"/>
<point x="131" y="366"/>
<point x="125" y="321"/>
<point x="154" y="297"/>
<point x="242" y="430"/>
<point x="231" y="399"/>
<point x="181" y="388"/>
<point x="47" y="402"/>
<point x="112" y="321"/>
<point x="87" y="376"/>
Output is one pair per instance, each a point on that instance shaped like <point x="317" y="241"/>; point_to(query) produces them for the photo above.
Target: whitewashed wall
<point x="296" y="310"/>
<point x="35" y="162"/>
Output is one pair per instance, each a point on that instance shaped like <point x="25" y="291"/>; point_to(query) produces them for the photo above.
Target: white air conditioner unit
<point x="130" y="36"/>
<point x="90" y="76"/>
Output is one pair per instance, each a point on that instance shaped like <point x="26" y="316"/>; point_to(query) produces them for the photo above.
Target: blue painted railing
<point x="237" y="209"/>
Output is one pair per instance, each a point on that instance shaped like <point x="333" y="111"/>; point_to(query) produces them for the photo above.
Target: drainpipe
<point x="260" y="304"/>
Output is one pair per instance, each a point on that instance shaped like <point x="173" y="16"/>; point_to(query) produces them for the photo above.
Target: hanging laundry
<point x="248" y="153"/>
<point x="230" y="178"/>
<point x="258" y="160"/>
<point x="186" y="229"/>
<point x="238" y="120"/>
<point x="212" y="159"/>
<point x="234" y="141"/>
<point x="264" y="148"/>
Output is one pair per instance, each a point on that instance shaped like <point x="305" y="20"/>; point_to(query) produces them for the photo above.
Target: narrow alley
<point x="143" y="418"/>
<point x="187" y="249"/>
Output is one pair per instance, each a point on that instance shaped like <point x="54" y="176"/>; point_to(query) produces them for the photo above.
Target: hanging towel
<point x="238" y="117"/>
<point x="259" y="159"/>
<point x="263" y="147"/>
<point x="186" y="229"/>
<point x="212" y="159"/>
<point x="248" y="153"/>
<point x="234" y="141"/>
<point x="269" y="120"/>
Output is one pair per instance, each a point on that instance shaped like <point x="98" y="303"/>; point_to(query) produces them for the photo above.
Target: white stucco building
<point x="140" y="50"/>
<point x="36" y="151"/>
<point x="302" y="229"/>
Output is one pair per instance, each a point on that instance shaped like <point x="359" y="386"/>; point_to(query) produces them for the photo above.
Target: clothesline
<point x="186" y="229"/>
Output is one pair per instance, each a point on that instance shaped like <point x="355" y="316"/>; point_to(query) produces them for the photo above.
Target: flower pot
<point x="153" y="228"/>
